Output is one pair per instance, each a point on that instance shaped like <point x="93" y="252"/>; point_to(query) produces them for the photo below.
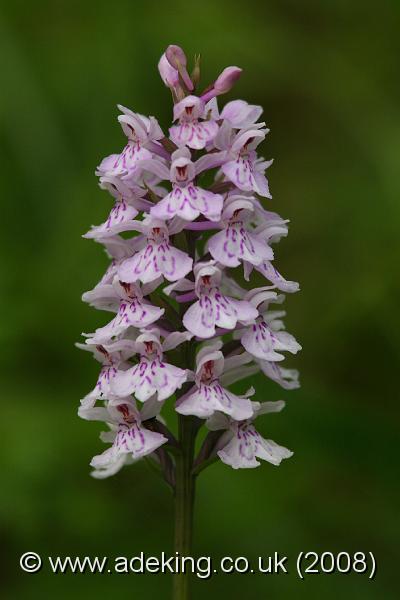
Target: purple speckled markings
<point x="151" y="376"/>
<point x="157" y="258"/>
<point x="130" y="440"/>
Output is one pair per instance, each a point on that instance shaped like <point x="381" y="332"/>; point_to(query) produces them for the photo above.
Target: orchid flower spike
<point x="191" y="290"/>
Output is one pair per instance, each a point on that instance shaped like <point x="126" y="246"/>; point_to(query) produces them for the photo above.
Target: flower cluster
<point x="183" y="330"/>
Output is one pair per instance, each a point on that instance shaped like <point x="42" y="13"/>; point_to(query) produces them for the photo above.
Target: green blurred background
<point x="327" y="74"/>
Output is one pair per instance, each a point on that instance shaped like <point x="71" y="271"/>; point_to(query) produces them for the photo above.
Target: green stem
<point x="184" y="501"/>
<point x="184" y="477"/>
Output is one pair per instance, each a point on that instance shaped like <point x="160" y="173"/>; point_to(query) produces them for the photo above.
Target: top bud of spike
<point x="173" y="70"/>
<point x="175" y="56"/>
<point x="177" y="59"/>
<point x="169" y="74"/>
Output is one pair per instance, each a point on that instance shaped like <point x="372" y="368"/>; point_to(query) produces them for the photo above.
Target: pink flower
<point x="214" y="309"/>
<point x="186" y="200"/>
<point x="286" y="378"/>
<point x="235" y="243"/>
<point x="208" y="394"/>
<point x="133" y="311"/>
<point x="112" y="357"/>
<point x="240" y="115"/>
<point x="155" y="256"/>
<point x="262" y="341"/>
<point x="242" y="167"/>
<point x="140" y="131"/>
<point x="265" y="339"/>
<point x="128" y="202"/>
<point x="130" y="439"/>
<point x="271" y="229"/>
<point x="242" y="444"/>
<point x="194" y="130"/>
<point x="151" y="375"/>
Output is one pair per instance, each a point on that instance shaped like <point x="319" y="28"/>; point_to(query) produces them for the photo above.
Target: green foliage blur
<point x="327" y="75"/>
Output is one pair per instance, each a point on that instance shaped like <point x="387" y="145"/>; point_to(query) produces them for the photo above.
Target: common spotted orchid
<point x="188" y="226"/>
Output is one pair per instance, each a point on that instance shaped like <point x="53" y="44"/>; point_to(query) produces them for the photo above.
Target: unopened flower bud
<point x="227" y="80"/>
<point x="169" y="74"/>
<point x="177" y="59"/>
<point x="175" y="56"/>
<point x="223" y="84"/>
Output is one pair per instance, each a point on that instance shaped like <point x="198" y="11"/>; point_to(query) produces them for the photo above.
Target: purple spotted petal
<point x="234" y="244"/>
<point x="206" y="399"/>
<point x="149" y="377"/>
<point x="216" y="310"/>
<point x="247" y="445"/>
<point x="194" y="134"/>
<point x="188" y="203"/>
<point x="153" y="261"/>
<point x="132" y="439"/>
<point x="132" y="313"/>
